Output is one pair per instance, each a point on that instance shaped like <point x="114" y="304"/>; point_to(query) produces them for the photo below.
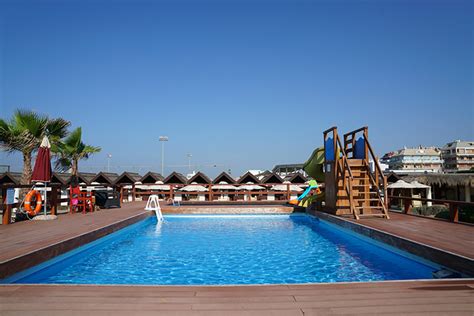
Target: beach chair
<point x="80" y="200"/>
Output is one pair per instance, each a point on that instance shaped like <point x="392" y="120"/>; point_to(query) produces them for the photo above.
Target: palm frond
<point x="57" y="128"/>
<point x="63" y="164"/>
<point x="30" y="121"/>
<point x="74" y="139"/>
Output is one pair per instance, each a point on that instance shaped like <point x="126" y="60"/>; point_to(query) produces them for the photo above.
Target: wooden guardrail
<point x="54" y="199"/>
<point x="452" y="205"/>
<point x="136" y="190"/>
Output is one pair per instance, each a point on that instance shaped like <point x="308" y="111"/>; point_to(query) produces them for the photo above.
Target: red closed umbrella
<point x="42" y="170"/>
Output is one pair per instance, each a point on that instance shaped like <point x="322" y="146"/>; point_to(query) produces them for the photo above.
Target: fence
<point x="454" y="211"/>
<point x="132" y="192"/>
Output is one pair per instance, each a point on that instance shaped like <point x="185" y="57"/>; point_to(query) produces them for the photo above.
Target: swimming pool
<point x="217" y="250"/>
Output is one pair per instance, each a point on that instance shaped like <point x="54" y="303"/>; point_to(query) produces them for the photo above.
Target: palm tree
<point x="71" y="150"/>
<point x="24" y="133"/>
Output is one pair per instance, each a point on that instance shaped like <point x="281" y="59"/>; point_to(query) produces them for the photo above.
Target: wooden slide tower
<point x="355" y="183"/>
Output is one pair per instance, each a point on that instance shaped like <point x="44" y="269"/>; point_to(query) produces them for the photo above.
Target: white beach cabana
<point x="418" y="185"/>
<point x="224" y="186"/>
<point x="283" y="188"/>
<point x="159" y="186"/>
<point x="194" y="187"/>
<point x="403" y="185"/>
<point x="400" y="184"/>
<point x="249" y="186"/>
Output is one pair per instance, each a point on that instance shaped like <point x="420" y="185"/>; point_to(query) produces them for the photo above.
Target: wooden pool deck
<point x="395" y="298"/>
<point x="452" y="237"/>
<point x="38" y="239"/>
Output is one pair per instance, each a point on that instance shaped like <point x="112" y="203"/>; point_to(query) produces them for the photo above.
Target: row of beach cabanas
<point x="223" y="180"/>
<point x="265" y="186"/>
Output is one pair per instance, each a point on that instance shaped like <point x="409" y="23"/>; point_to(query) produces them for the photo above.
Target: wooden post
<point x="7" y="209"/>
<point x="366" y="141"/>
<point x="133" y="192"/>
<point x="453" y="212"/>
<point x="54" y="200"/>
<point x="121" y="195"/>
<point x="7" y="215"/>
<point x="211" y="197"/>
<point x="407" y="203"/>
<point x="171" y="192"/>
<point x="385" y="193"/>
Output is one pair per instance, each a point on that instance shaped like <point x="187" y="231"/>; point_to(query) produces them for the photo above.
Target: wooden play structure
<point x="355" y="183"/>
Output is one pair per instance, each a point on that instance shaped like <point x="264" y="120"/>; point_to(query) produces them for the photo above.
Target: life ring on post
<point x="28" y="198"/>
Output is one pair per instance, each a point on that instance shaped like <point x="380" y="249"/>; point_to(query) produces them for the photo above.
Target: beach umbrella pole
<point x="45" y="197"/>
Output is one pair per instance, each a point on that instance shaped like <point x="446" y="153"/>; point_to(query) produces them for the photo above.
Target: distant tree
<point x="70" y="150"/>
<point x="24" y="133"/>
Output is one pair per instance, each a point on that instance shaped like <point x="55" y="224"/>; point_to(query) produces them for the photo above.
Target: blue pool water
<point x="197" y="250"/>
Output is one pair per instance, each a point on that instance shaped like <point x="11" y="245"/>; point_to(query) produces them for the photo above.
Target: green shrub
<point x="466" y="215"/>
<point x="429" y="210"/>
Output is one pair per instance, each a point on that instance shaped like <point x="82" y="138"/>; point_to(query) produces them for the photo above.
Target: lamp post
<point x="109" y="156"/>
<point x="189" y="161"/>
<point x="163" y="139"/>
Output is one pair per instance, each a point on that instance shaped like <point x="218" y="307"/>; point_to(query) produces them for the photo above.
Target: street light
<point x="189" y="161"/>
<point x="163" y="139"/>
<point x="109" y="156"/>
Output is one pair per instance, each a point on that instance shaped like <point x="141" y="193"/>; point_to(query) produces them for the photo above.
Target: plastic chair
<point x="80" y="200"/>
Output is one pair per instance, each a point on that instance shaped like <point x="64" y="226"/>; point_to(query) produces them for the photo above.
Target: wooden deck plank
<point x="452" y="237"/>
<point x="453" y="297"/>
<point x="397" y="297"/>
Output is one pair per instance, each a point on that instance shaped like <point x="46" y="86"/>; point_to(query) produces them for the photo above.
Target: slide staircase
<point x="355" y="184"/>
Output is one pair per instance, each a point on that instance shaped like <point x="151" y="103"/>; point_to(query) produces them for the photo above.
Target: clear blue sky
<point x="243" y="84"/>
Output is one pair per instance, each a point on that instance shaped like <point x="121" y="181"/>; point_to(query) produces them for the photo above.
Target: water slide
<point x="314" y="168"/>
<point x="314" y="165"/>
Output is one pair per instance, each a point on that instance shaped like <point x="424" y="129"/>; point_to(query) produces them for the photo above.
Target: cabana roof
<point x="61" y="177"/>
<point x="264" y="174"/>
<point x="200" y="178"/>
<point x="392" y="177"/>
<point x="248" y="177"/>
<point x="105" y="178"/>
<point x="448" y="179"/>
<point x="86" y="177"/>
<point x="224" y="176"/>
<point x="151" y="177"/>
<point x="272" y="178"/>
<point x="128" y="178"/>
<point x="175" y="178"/>
<point x="296" y="178"/>
<point x="11" y="178"/>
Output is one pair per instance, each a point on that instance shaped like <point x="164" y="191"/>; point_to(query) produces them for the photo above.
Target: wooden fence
<point x="451" y="205"/>
<point x="132" y="192"/>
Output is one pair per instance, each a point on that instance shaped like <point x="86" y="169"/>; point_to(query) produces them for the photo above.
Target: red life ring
<point x="29" y="197"/>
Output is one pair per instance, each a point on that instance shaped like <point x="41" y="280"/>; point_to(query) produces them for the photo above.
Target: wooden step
<point x="366" y="200"/>
<point x="355" y="162"/>
<point x="371" y="207"/>
<point x="370" y="193"/>
<point x="372" y="215"/>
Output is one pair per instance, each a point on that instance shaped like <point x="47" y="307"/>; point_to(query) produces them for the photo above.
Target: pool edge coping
<point x="34" y="257"/>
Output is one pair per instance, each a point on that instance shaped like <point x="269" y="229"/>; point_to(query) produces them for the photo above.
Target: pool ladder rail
<point x="153" y="204"/>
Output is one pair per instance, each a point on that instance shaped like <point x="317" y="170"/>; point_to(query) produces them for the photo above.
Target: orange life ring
<point x="28" y="199"/>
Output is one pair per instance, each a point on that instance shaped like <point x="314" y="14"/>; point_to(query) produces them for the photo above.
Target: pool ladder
<point x="154" y="205"/>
